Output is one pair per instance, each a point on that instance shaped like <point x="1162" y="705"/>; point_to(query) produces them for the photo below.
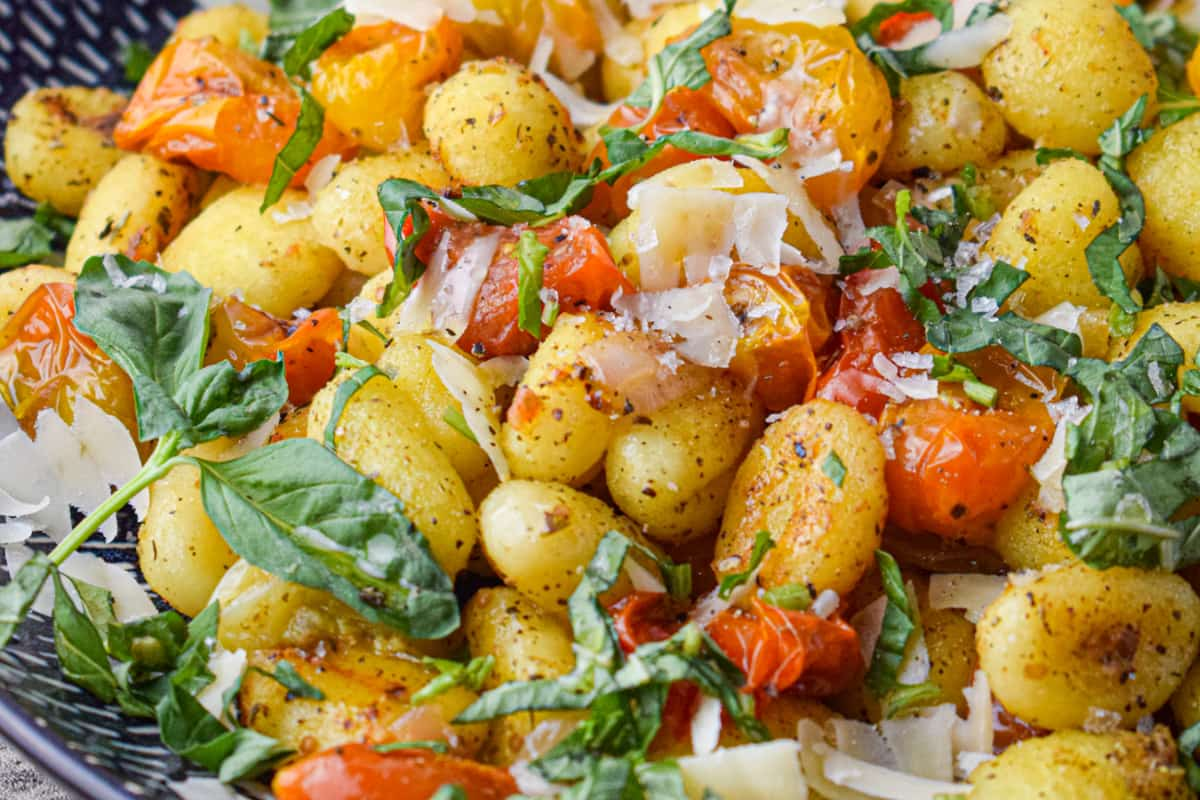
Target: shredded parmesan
<point x="917" y="387"/>
<point x="767" y="771"/>
<point x="966" y="47"/>
<point x="819" y="13"/>
<point x="1052" y="466"/>
<point x="130" y="600"/>
<point x="706" y="726"/>
<point x="1065" y="316"/>
<point x="227" y="668"/>
<point x="825" y="603"/>
<point x="704" y="327"/>
<point x="455" y="298"/>
<point x="971" y="592"/>
<point x="419" y="16"/>
<point x="786" y="182"/>
<point x="463" y="380"/>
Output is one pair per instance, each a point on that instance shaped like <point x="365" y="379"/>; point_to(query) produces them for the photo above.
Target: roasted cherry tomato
<point x="220" y="109"/>
<point x="872" y="320"/>
<point x="359" y="772"/>
<point x="384" y="68"/>
<point x="682" y="110"/>
<point x="784" y="326"/>
<point x="45" y="362"/>
<point x="778" y="649"/>
<point x="512" y="28"/>
<point x="957" y="467"/>
<point x="814" y="81"/>
<point x="899" y="25"/>
<point x="579" y="268"/>
<point x="242" y="333"/>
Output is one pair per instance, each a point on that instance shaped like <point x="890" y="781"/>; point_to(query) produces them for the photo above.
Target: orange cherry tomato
<point x="1193" y="71"/>
<point x="682" y="110"/>
<point x="814" y="81"/>
<point x="872" y="321"/>
<point x="957" y="468"/>
<point x="242" y="333"/>
<point x="778" y="649"/>
<point x="220" y="109"/>
<point x="358" y="772"/>
<point x="579" y="268"/>
<point x="776" y="353"/>
<point x="45" y="362"/>
<point x="372" y="81"/>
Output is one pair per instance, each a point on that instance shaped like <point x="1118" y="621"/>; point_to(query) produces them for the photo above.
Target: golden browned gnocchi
<point x="58" y="143"/>
<point x="1169" y="181"/>
<point x="943" y="121"/>
<point x="1076" y="643"/>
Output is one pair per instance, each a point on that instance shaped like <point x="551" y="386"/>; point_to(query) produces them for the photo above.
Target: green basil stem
<point x="159" y="464"/>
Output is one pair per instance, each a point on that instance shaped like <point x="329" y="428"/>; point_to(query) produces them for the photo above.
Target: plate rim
<point x="50" y="754"/>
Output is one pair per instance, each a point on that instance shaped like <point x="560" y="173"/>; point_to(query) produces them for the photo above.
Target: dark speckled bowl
<point x="89" y="748"/>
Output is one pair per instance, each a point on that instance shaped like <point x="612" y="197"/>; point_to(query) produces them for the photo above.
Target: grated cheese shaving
<point x="477" y="396"/>
<point x="965" y="47"/>
<point x="766" y="771"/>
<point x="455" y="298"/>
<point x="705" y="329"/>
<point x="706" y="726"/>
<point x="971" y="592"/>
<point x="419" y="16"/>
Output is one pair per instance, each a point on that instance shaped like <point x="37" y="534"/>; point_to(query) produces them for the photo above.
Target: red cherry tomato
<point x="957" y="468"/>
<point x="45" y="362"/>
<point x="778" y="649"/>
<point x="871" y="322"/>
<point x="358" y="772"/>
<point x="682" y="110"/>
<point x="220" y="109"/>
<point x="579" y="268"/>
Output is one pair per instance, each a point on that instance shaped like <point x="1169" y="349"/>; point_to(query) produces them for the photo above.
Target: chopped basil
<point x="286" y="676"/>
<point x="449" y="791"/>
<point x="415" y="744"/>
<point x="762" y="543"/>
<point x="341" y="398"/>
<point x="531" y="257"/>
<point x="791" y="596"/>
<point x="17" y="596"/>
<point x="315" y="39"/>
<point x="455" y="419"/>
<point x="1170" y="45"/>
<point x="137" y="58"/>
<point x="947" y="370"/>
<point x="1189" y="741"/>
<point x="681" y="63"/>
<point x="900" y="624"/>
<point x="290" y="18"/>
<point x="453" y="673"/>
<point x="834" y="469"/>
<point x="33" y="239"/>
<point x="310" y="126"/>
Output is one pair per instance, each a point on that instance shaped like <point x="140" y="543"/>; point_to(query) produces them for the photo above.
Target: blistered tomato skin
<point x="956" y="468"/>
<point x="384" y="68"/>
<point x="358" y="772"/>
<point x="815" y="82"/>
<point x="220" y="109"/>
<point x="46" y="363"/>
<point x="682" y="110"/>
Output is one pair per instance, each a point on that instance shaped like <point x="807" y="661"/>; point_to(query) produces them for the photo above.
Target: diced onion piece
<point x="706" y="726"/>
<point x="462" y="378"/>
<point x="698" y="316"/>
<point x="966" y="47"/>
<point x="819" y="13"/>
<point x="760" y="220"/>
<point x="786" y="182"/>
<point x="767" y="771"/>
<point x="420" y="16"/>
<point x="455" y="299"/>
<point x="971" y="592"/>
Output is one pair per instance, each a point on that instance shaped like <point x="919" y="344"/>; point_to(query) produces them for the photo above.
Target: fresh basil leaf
<point x="675" y="576"/>
<point x="33" y="239"/>
<point x="315" y="39"/>
<point x="1103" y="252"/>
<point x="98" y="606"/>
<point x="222" y="401"/>
<point x="661" y="780"/>
<point x="310" y="127"/>
<point x="295" y="510"/>
<point x="415" y="744"/>
<point x="187" y="729"/>
<point x="762" y="543"/>
<point x="1046" y="155"/>
<point x="342" y="396"/>
<point x="449" y="791"/>
<point x="947" y="370"/>
<point x="286" y="676"/>
<point x="963" y="331"/>
<point x="81" y="654"/>
<point x="790" y="596"/>
<point x="834" y="469"/>
<point x="454" y="418"/>
<point x="153" y="643"/>
<point x="471" y="675"/>
<point x="154" y="324"/>
<point x="594" y="630"/>
<point x="1165" y="288"/>
<point x="401" y="201"/>
<point x="536" y="695"/>
<point x="899" y="626"/>
<point x="288" y="19"/>
<point x="1189" y="741"/>
<point x="531" y="258"/>
<point x="909" y="697"/>
<point x="897" y="64"/>
<point x="17" y="596"/>
<point x="681" y="63"/>
<point x="191" y="667"/>
<point x="136" y="58"/>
